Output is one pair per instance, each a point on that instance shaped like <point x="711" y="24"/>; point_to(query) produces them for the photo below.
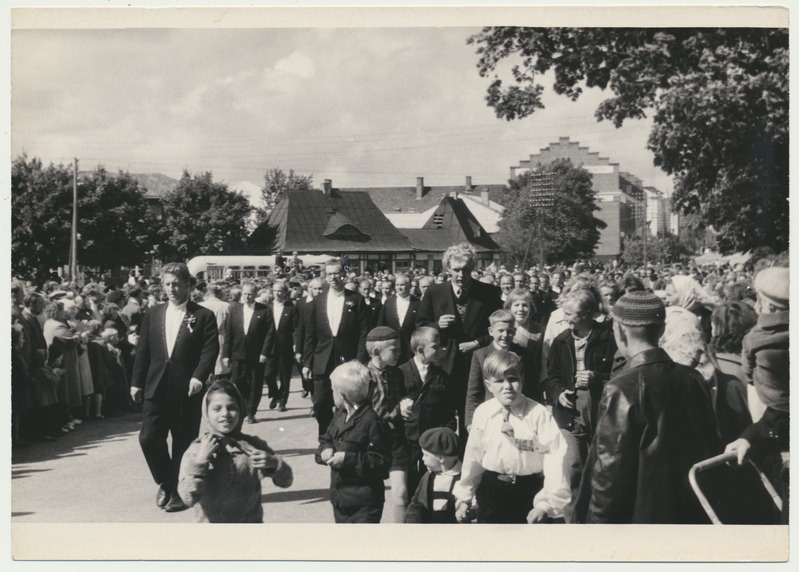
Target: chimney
<point x="419" y="187"/>
<point x="468" y="186"/>
<point x="484" y="197"/>
<point x="327" y="187"/>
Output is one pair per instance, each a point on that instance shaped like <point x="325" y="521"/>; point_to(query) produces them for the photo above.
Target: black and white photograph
<point x="405" y="266"/>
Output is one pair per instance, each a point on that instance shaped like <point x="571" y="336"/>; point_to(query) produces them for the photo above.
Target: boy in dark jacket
<point x="357" y="448"/>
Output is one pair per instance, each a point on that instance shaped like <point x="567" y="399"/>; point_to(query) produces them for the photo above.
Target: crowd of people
<point x="570" y="393"/>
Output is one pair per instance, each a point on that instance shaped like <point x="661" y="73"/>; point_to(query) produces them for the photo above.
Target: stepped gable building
<point x="434" y="218"/>
<point x="620" y="196"/>
<point x="336" y="223"/>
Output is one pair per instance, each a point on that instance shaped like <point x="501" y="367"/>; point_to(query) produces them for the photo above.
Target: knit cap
<point x="382" y="334"/>
<point x="440" y="441"/>
<point x="640" y="308"/>
<point x="774" y="285"/>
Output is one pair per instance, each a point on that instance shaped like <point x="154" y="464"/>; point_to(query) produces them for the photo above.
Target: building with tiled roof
<point x="620" y="196"/>
<point x="331" y="222"/>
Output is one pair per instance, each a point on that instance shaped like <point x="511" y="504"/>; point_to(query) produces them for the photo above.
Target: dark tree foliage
<point x="666" y="249"/>
<point x="203" y="217"/>
<point x="570" y="229"/>
<point x="718" y="98"/>
<point x="114" y="224"/>
<point x="276" y="183"/>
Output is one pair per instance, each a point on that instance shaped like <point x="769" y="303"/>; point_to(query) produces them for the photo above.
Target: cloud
<point x="297" y="64"/>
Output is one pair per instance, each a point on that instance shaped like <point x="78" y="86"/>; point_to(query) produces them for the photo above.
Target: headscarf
<point x="690" y="294"/>
<point x="235" y="439"/>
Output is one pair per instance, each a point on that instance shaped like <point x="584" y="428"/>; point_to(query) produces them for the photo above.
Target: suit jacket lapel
<point x="321" y="308"/>
<point x="161" y="315"/>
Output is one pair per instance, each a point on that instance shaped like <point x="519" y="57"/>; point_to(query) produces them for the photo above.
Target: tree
<point x="277" y="182"/>
<point x="203" y="217"/>
<point x="113" y="219"/>
<point x="719" y="99"/>
<point x="664" y="248"/>
<point x="570" y="229"/>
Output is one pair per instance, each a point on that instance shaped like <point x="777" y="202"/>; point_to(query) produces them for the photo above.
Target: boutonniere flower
<point x="190" y="320"/>
<point x="350" y="304"/>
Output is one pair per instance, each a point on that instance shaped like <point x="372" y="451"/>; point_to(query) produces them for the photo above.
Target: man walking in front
<point x="175" y="354"/>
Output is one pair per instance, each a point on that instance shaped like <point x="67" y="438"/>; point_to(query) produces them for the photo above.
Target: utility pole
<point x="73" y="243"/>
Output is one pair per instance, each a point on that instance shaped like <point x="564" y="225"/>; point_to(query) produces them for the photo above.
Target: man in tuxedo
<point x="177" y="348"/>
<point x="280" y="361"/>
<point x="459" y="310"/>
<point x="315" y="287"/>
<point x="249" y="338"/>
<point x="399" y="313"/>
<point x="335" y="332"/>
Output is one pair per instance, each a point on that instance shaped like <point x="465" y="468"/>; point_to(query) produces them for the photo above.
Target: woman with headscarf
<point x="221" y="471"/>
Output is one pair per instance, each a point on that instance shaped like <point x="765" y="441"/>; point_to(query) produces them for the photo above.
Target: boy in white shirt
<point x="514" y="462"/>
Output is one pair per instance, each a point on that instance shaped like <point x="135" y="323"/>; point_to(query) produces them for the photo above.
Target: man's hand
<point x="741" y="447"/>
<point x="564" y="400"/>
<point x="445" y="321"/>
<point x="195" y="385"/>
<point x="468" y="346"/>
<point x="405" y="407"/>
<point x="336" y="460"/>
<point x="582" y="378"/>
<point x="326" y="454"/>
<point x="306" y="372"/>
<point x="298" y="358"/>
<point x="136" y="394"/>
<point x="261" y="359"/>
<point x="226" y="362"/>
<point x="263" y="460"/>
<point x="208" y="445"/>
<point x="536" y="515"/>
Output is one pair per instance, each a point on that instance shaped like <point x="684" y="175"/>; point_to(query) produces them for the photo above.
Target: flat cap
<point x="382" y="334"/>
<point x="774" y="284"/>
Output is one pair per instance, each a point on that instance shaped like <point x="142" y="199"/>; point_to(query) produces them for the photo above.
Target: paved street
<point x="97" y="473"/>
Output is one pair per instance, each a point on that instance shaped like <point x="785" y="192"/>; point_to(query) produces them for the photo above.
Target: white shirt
<point x="335" y="307"/>
<point x="277" y="311"/>
<point x="422" y="367"/>
<point x="488" y="449"/>
<point x="172" y="320"/>
<point x="248" y="311"/>
<point x="402" y="307"/>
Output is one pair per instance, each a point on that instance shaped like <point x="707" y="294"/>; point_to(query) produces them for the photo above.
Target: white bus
<point x="220" y="267"/>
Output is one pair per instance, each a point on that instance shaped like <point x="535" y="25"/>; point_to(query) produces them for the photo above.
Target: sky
<point x="362" y="107"/>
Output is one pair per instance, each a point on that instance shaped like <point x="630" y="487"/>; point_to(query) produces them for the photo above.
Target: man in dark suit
<point x="335" y="332"/>
<point x="280" y="361"/>
<point x="373" y="304"/>
<point x="249" y="338"/>
<point x="399" y="313"/>
<point x="177" y="348"/>
<point x="459" y="310"/>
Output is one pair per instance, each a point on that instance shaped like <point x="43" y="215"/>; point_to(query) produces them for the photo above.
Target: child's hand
<point x="536" y="515"/>
<point x="336" y="460"/>
<point x="462" y="511"/>
<point x="208" y="445"/>
<point x="263" y="460"/>
<point x="326" y="454"/>
<point x="405" y="407"/>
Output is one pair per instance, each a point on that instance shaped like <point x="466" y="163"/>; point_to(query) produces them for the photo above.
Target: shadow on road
<point x="296" y="452"/>
<point x="87" y="435"/>
<point x="22" y="473"/>
<point x="311" y="495"/>
<point x="284" y="418"/>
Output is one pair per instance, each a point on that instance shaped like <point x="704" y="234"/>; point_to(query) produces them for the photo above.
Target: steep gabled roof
<point x="310" y="221"/>
<point x="451" y="222"/>
<point x="392" y="200"/>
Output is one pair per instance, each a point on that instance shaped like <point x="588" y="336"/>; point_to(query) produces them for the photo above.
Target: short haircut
<point x="629" y="283"/>
<point x="337" y="261"/>
<point x="520" y="294"/>
<point x="502" y="364"/>
<point x="177" y="269"/>
<point x="374" y="347"/>
<point x="650" y="333"/>
<point x="316" y="283"/>
<point x="352" y="379"/>
<point x="30" y="298"/>
<point x="501" y="316"/>
<point x="731" y="321"/>
<point x="506" y="276"/>
<point x="463" y="251"/>
<point x="423" y="335"/>
<point x="584" y="300"/>
<point x="214" y="290"/>
<point x="248" y="284"/>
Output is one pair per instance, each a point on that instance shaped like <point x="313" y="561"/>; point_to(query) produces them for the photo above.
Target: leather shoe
<point x="162" y="497"/>
<point x="304" y="393"/>
<point x="281" y="407"/>
<point x="175" y="504"/>
<point x="273" y="403"/>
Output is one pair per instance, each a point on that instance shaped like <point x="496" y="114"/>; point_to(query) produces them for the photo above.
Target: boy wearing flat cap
<point x="433" y="501"/>
<point x="764" y="360"/>
<point x="655" y="421"/>
<point x="386" y="390"/>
